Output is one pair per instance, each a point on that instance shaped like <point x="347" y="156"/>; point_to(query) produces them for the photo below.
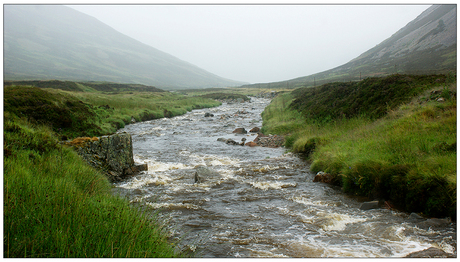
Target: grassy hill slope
<point x="57" y="42"/>
<point x="391" y="138"/>
<point x="426" y="45"/>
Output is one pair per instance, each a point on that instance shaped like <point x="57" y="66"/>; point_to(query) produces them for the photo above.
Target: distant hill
<point x="426" y="45"/>
<point x="84" y="86"/>
<point x="43" y="42"/>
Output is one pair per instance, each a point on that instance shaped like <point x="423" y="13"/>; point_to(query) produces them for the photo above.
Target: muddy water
<point x="263" y="202"/>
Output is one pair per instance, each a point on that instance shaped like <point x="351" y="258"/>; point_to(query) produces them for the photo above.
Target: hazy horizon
<point x="258" y="43"/>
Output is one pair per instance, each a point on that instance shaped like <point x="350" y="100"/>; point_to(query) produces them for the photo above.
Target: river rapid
<point x="263" y="202"/>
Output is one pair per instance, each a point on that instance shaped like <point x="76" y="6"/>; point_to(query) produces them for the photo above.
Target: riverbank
<point x="55" y="205"/>
<point x="391" y="138"/>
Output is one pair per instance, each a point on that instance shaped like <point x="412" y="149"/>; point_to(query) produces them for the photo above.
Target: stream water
<point x="263" y="202"/>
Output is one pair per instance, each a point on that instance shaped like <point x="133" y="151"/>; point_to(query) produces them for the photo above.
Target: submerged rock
<point x="415" y="217"/>
<point x="369" y="205"/>
<point x="431" y="252"/>
<point x="135" y="169"/>
<point x="203" y="173"/>
<point x="435" y="222"/>
<point x="231" y="142"/>
<point x="240" y="130"/>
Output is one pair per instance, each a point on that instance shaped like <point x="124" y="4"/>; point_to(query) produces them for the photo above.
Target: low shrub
<point x="372" y="97"/>
<point x="226" y="96"/>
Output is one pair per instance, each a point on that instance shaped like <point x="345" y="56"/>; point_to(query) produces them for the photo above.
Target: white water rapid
<point x="263" y="203"/>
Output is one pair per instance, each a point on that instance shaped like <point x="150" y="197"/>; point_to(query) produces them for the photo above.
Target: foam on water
<point x="155" y="166"/>
<point x="265" y="185"/>
<point x="172" y="206"/>
<point x="148" y="179"/>
<point x="338" y="222"/>
<point x="309" y="202"/>
<point x="213" y="160"/>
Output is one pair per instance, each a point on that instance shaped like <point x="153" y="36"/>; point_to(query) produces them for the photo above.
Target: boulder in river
<point x="111" y="154"/>
<point x="323" y="177"/>
<point x="370" y="205"/>
<point x="135" y="169"/>
<point x="251" y="144"/>
<point x="254" y="130"/>
<point x="435" y="222"/>
<point x="240" y="130"/>
<point x="259" y="136"/>
<point x="231" y="142"/>
<point x="269" y="141"/>
<point x="208" y="115"/>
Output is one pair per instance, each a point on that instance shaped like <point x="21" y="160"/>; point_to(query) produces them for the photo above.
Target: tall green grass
<point x="408" y="156"/>
<point x="57" y="206"/>
<point x="279" y="118"/>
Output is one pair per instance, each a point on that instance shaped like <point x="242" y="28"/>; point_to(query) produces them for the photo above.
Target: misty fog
<point x="258" y="43"/>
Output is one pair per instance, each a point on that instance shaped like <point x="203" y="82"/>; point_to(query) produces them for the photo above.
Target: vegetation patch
<point x="118" y="87"/>
<point x="55" y="205"/>
<point x="56" y="84"/>
<point x="371" y="97"/>
<point x="226" y="96"/>
<point x="65" y="114"/>
<point x="400" y="147"/>
<point x="85" y="86"/>
<point x="72" y="114"/>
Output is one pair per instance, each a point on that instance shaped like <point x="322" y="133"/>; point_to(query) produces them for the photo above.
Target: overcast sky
<point x="258" y="43"/>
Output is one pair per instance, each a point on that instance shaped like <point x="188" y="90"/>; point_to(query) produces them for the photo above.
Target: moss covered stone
<point x="113" y="154"/>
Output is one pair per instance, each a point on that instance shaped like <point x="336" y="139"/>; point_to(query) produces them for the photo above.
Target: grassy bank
<point x="116" y="110"/>
<point x="95" y="113"/>
<point x="387" y="138"/>
<point x="55" y="205"/>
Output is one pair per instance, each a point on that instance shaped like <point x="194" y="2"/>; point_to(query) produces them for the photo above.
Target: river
<point x="263" y="202"/>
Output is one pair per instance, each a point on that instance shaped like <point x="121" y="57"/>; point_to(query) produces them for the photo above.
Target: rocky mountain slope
<point x="426" y="45"/>
<point x="57" y="42"/>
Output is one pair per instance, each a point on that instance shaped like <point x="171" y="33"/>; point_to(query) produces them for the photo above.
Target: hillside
<point x="392" y="138"/>
<point x="84" y="86"/>
<point x="372" y="98"/>
<point x="426" y="45"/>
<point x="43" y="42"/>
